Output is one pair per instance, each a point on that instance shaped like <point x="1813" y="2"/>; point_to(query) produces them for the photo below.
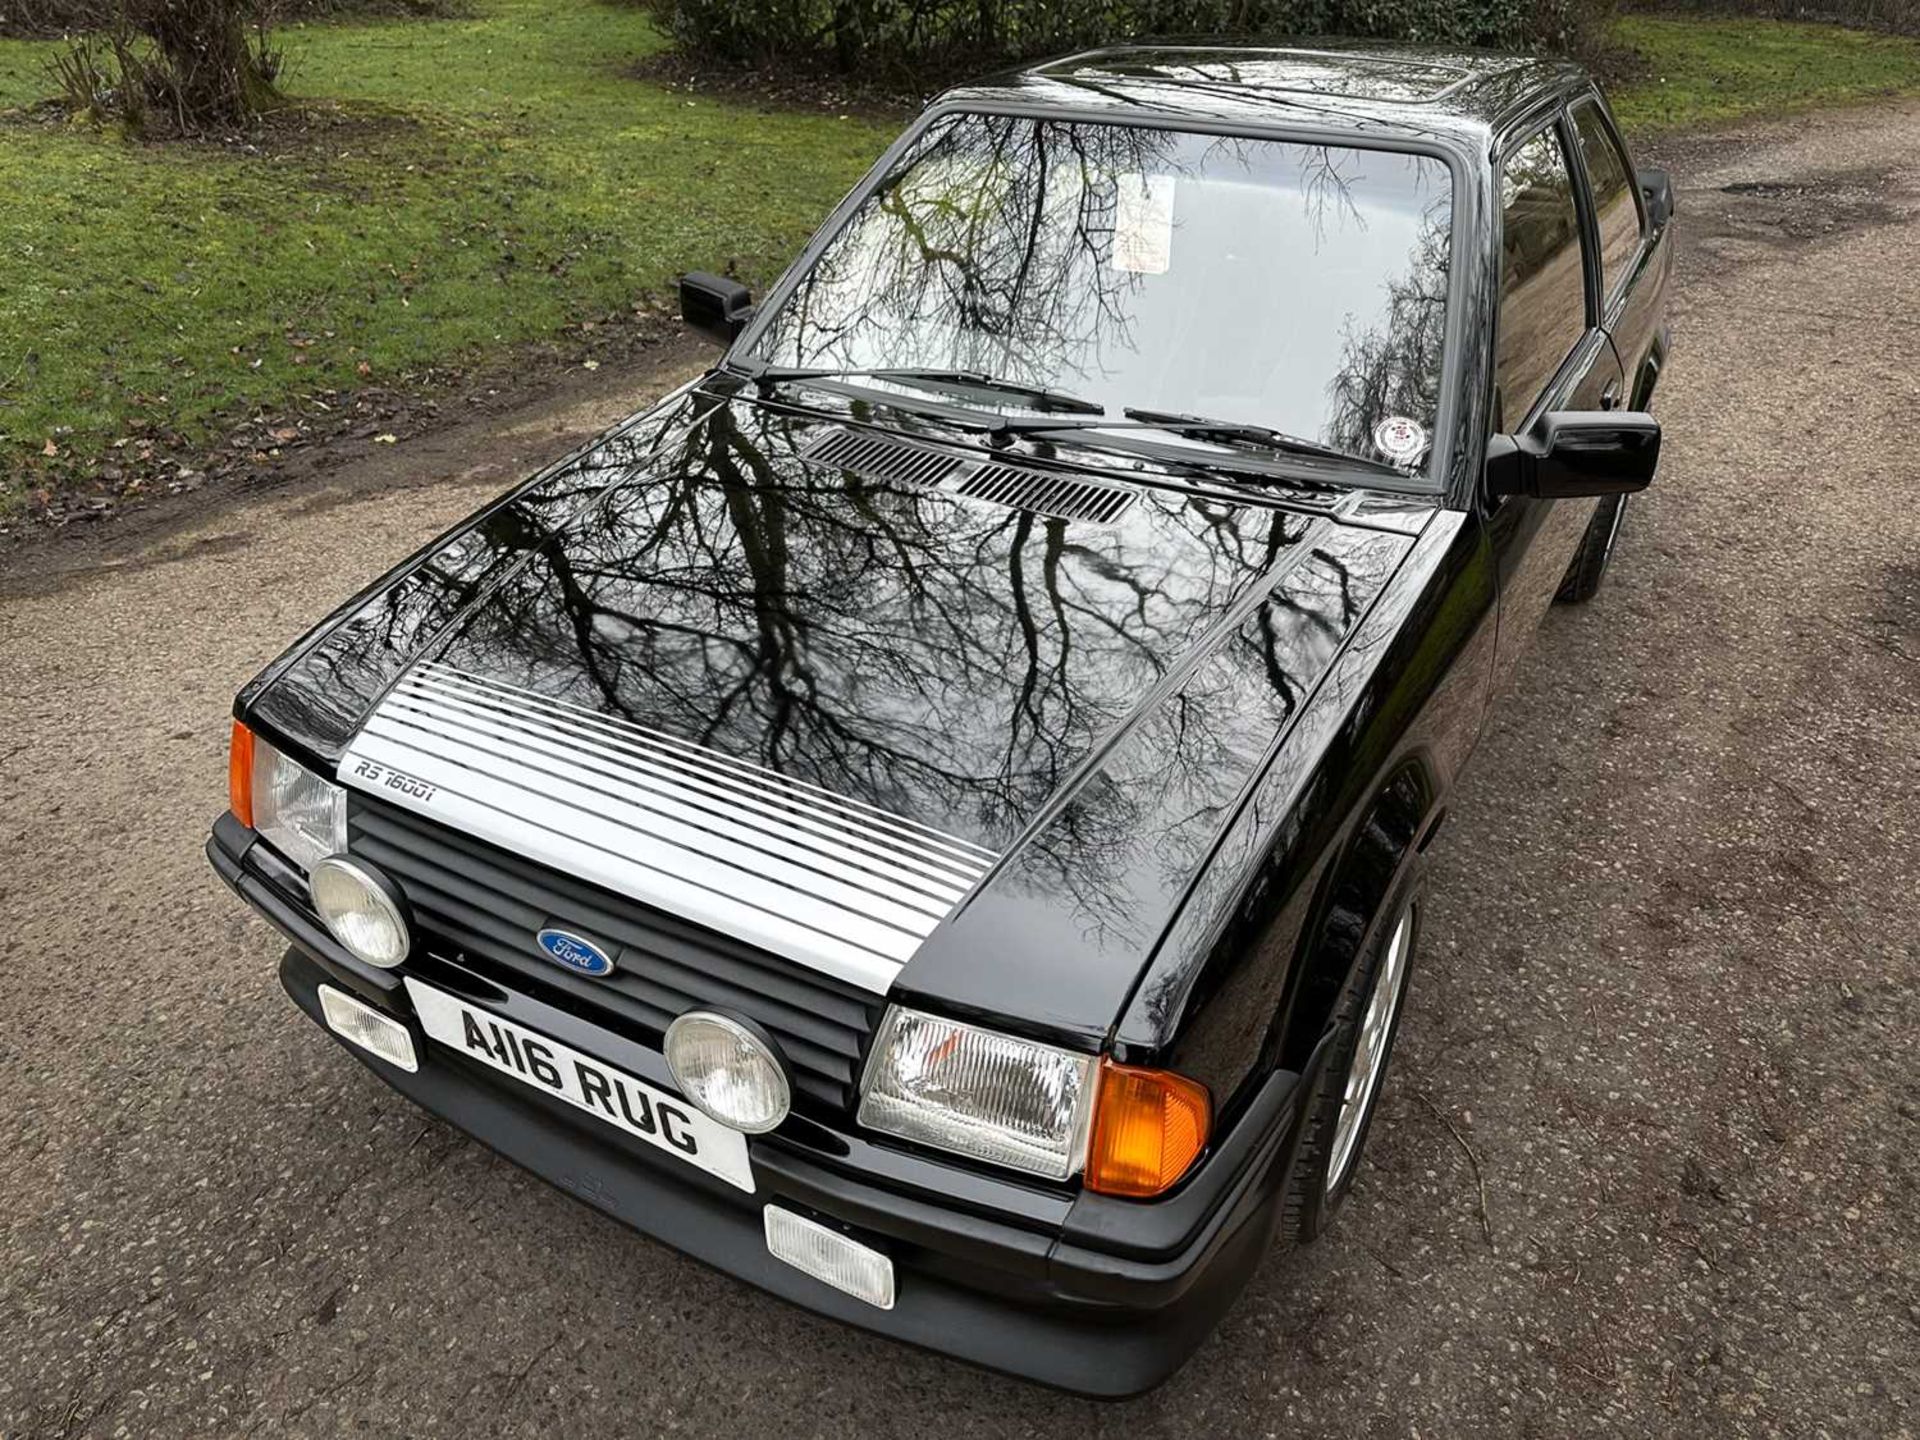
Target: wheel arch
<point x="1647" y="376"/>
<point x="1384" y="844"/>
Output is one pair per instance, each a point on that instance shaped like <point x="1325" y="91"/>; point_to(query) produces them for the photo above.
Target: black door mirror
<point x="1656" y="188"/>
<point x="715" y="305"/>
<point x="1573" y="453"/>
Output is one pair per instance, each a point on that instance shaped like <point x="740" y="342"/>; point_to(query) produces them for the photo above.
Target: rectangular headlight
<point x="980" y="1093"/>
<point x="301" y="815"/>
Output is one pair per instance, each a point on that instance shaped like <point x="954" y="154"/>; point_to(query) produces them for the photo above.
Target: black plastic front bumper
<point x="1101" y="1296"/>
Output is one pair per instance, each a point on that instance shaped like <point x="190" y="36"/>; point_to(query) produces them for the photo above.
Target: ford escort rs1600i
<point x="929" y="817"/>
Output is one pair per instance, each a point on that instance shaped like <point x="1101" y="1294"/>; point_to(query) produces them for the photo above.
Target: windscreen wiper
<point x="1201" y="427"/>
<point x="1039" y="397"/>
<point x="1197" y="427"/>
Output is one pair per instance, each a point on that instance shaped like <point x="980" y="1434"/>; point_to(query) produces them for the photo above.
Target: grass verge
<point x="452" y="189"/>
<point x="1706" y="71"/>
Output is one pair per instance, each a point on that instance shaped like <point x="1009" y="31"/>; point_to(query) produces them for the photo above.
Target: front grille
<point x="487" y="905"/>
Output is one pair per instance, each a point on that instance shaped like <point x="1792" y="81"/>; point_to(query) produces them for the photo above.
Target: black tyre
<point x="1366" y="1021"/>
<point x="1596" y="549"/>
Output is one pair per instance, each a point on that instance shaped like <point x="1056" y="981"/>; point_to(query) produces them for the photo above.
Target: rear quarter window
<point x="1543" y="293"/>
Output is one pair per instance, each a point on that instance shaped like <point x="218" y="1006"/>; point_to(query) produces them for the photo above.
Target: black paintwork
<point x="1206" y="736"/>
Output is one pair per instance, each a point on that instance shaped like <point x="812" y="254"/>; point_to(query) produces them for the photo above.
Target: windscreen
<point x="1296" y="286"/>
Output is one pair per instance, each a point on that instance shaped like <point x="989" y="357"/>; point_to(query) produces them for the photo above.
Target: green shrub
<point x="196" y="64"/>
<point x="898" y="39"/>
<point x="1900" y="16"/>
<point x="36" y="18"/>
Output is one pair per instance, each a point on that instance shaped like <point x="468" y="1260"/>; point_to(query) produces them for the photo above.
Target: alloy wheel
<point x="1370" y="1051"/>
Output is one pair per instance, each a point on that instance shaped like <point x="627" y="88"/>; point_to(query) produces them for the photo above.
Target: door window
<point x="1616" y="199"/>
<point x="1543" y="289"/>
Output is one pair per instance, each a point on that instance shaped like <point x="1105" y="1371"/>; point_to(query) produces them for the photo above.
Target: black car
<point x="929" y="817"/>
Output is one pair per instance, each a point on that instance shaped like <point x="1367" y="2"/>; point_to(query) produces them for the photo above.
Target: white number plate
<point x="609" y="1095"/>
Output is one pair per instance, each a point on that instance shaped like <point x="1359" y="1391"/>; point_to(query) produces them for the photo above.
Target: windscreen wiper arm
<point x="1041" y="397"/>
<point x="1201" y="427"/>
<point x="1197" y="427"/>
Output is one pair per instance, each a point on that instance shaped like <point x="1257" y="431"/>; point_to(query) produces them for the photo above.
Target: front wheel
<point x="1365" y="1023"/>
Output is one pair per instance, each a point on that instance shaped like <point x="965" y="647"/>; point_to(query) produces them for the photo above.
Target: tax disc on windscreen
<point x="1400" y="439"/>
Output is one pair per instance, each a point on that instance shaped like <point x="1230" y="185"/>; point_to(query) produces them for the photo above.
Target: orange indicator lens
<point x="1149" y="1127"/>
<point x="240" y="774"/>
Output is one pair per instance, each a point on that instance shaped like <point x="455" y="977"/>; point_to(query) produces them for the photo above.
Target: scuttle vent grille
<point x="1018" y="487"/>
<point x="875" y="457"/>
<point x="1048" y="493"/>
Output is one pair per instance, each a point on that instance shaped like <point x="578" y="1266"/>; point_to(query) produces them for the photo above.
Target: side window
<point x="1543" y="286"/>
<point x="1616" y="198"/>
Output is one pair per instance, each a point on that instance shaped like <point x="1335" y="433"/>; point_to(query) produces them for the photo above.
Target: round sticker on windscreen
<point x="1399" y="439"/>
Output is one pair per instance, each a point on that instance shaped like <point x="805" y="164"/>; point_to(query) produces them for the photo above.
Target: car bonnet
<point x="848" y="703"/>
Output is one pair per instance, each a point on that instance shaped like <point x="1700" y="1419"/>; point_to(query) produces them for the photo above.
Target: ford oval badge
<point x="575" y="952"/>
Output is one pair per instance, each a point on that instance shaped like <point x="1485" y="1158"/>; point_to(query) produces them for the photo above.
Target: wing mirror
<point x="1572" y="453"/>
<point x="714" y="305"/>
<point x="1656" y="188"/>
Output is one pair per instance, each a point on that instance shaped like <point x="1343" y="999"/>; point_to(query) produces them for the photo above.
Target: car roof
<point x="1464" y="94"/>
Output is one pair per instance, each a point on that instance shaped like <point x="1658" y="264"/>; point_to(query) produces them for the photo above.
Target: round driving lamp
<point x="730" y="1070"/>
<point x="362" y="909"/>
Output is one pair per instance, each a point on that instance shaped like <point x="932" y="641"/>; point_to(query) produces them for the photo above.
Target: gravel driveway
<point x="1649" y="1162"/>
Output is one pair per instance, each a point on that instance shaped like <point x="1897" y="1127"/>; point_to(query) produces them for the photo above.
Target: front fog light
<point x="363" y="910"/>
<point x="728" y="1071"/>
<point x="830" y="1257"/>
<point x="979" y="1093"/>
<point x="366" y="1027"/>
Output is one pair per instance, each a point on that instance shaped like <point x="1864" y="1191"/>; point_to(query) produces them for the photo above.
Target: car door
<point x="1549" y="354"/>
<point x="1632" y="262"/>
